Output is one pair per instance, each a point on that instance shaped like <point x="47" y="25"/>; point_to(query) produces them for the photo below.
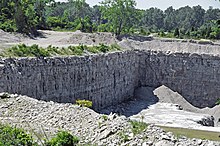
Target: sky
<point x="163" y="4"/>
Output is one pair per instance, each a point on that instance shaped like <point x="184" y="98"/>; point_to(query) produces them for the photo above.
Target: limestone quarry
<point x="163" y="82"/>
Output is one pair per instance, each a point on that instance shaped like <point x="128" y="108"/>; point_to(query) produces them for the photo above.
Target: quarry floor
<point x="164" y="107"/>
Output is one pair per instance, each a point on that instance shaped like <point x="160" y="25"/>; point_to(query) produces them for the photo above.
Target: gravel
<point x="44" y="119"/>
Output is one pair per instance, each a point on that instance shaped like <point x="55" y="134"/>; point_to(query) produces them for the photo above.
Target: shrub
<point x="84" y="103"/>
<point x="218" y="102"/>
<point x="35" y="51"/>
<point x="103" y="48"/>
<point x="63" y="138"/>
<point x="8" y="25"/>
<point x="124" y="137"/>
<point x="93" y="50"/>
<point x="14" y="136"/>
<point x="105" y="117"/>
<point x="56" y="22"/>
<point x="138" y="127"/>
<point x="23" y="51"/>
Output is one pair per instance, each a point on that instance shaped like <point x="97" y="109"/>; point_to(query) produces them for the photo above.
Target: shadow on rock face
<point x="143" y="98"/>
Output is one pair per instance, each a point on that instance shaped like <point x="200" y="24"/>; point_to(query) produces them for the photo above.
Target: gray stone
<point x="108" y="79"/>
<point x="164" y="143"/>
<point x="207" y="121"/>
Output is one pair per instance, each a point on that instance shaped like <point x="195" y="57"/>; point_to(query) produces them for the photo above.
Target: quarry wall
<point x="111" y="78"/>
<point x="104" y="79"/>
<point x="195" y="77"/>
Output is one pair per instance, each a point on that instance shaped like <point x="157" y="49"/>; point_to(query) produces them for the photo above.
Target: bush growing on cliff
<point x="14" y="136"/>
<point x="84" y="103"/>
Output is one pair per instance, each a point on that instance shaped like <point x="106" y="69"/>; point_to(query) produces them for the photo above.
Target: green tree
<point x="119" y="14"/>
<point x="176" y="32"/>
<point x="153" y="19"/>
<point x="169" y="19"/>
<point x="25" y="15"/>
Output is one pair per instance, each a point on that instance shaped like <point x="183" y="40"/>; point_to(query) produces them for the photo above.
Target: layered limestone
<point x="108" y="79"/>
<point x="105" y="79"/>
<point x="195" y="77"/>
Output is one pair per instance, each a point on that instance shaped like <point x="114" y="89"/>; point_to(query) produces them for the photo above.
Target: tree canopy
<point x="120" y="14"/>
<point x="116" y="16"/>
<point x="24" y="16"/>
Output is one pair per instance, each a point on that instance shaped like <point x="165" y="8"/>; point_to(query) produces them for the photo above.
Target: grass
<point x="35" y="51"/>
<point x="214" y="136"/>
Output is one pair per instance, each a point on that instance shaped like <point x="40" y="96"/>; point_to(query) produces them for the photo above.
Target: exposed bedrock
<point x="108" y="79"/>
<point x="104" y="79"/>
<point x="195" y="77"/>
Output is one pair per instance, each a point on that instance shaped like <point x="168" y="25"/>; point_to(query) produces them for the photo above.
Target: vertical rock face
<point x="104" y="79"/>
<point x="196" y="77"/>
<point x="111" y="78"/>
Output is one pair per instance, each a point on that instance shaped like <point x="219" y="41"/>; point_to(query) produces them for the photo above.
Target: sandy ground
<point x="166" y="95"/>
<point x="167" y="112"/>
<point x="164" y="107"/>
<point x="174" y="46"/>
<point x="58" y="39"/>
<point x="8" y="39"/>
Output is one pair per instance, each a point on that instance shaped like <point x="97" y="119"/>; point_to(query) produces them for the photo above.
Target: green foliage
<point x="138" y="127"/>
<point x="124" y="137"/>
<point x="120" y="14"/>
<point x="35" y="51"/>
<point x="84" y="103"/>
<point x="218" y="102"/>
<point x="117" y="16"/>
<point x="63" y="138"/>
<point x="177" y="33"/>
<point x="56" y="22"/>
<point x="24" y="16"/>
<point x="8" y="25"/>
<point x="14" y="136"/>
<point x="24" y="51"/>
<point x="105" y="117"/>
<point x="103" y="48"/>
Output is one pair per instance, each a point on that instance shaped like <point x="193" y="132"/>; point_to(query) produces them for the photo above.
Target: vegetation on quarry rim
<point x="23" y="50"/>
